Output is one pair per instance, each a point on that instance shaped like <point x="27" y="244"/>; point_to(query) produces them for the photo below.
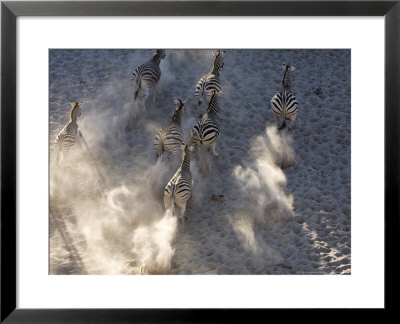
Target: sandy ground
<point x="286" y="198"/>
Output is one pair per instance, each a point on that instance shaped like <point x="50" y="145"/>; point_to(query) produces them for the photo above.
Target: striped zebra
<point x="179" y="189"/>
<point x="68" y="136"/>
<point x="145" y="78"/>
<point x="169" y="139"/>
<point x="210" y="81"/>
<point x="284" y="104"/>
<point x="206" y="131"/>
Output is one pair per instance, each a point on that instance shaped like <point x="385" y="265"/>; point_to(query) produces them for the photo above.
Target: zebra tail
<point x="158" y="146"/>
<point x="283" y="126"/>
<point x="137" y="88"/>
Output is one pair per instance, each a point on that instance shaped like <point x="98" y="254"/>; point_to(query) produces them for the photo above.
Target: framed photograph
<point x="164" y="158"/>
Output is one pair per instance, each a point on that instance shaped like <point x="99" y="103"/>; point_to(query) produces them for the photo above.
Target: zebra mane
<point x="186" y="155"/>
<point x="287" y="80"/>
<point x="75" y="106"/>
<point x="217" y="64"/>
<point x="213" y="104"/>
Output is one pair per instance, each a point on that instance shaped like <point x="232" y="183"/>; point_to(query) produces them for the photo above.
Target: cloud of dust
<point x="262" y="187"/>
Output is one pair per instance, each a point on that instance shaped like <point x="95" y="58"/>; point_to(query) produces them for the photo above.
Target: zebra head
<point x="287" y="80"/>
<point x="218" y="60"/>
<point x="75" y="110"/>
<point x="177" y="116"/>
<point x="161" y="53"/>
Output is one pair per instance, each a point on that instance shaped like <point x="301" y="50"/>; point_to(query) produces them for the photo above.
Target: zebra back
<point x="206" y="131"/>
<point x="148" y="72"/>
<point x="169" y="139"/>
<point x="284" y="104"/>
<point x="179" y="188"/>
<point x="210" y="81"/>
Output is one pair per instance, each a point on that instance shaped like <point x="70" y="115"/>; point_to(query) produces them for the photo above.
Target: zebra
<point x="210" y="81"/>
<point x="145" y="78"/>
<point x="284" y="103"/>
<point x="68" y="136"/>
<point x="179" y="188"/>
<point x="206" y="131"/>
<point x="169" y="138"/>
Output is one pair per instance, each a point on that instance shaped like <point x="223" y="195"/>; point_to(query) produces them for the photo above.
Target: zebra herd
<point x="170" y="139"/>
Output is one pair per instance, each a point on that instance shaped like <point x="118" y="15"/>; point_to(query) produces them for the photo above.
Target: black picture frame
<point x="10" y="10"/>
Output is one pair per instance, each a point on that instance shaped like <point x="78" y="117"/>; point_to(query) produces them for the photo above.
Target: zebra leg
<point x="182" y="212"/>
<point x="171" y="159"/>
<point x="199" y="108"/>
<point x="155" y="92"/>
<point x="198" y="96"/>
<point x="213" y="149"/>
<point x="290" y="126"/>
<point x="59" y="157"/>
<point x="57" y="153"/>
<point x="147" y="93"/>
<point x="198" y="146"/>
<point x="168" y="204"/>
<point x="79" y="140"/>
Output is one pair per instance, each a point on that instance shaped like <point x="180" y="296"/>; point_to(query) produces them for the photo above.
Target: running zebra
<point x="179" y="188"/>
<point x="210" y="81"/>
<point x="146" y="77"/>
<point x="169" y="139"/>
<point x="68" y="136"/>
<point x="284" y="103"/>
<point x="206" y="131"/>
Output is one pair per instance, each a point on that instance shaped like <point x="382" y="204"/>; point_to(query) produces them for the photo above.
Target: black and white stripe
<point x="284" y="104"/>
<point x="210" y="81"/>
<point x="169" y="139"/>
<point x="145" y="78"/>
<point x="206" y="131"/>
<point x="68" y="136"/>
<point x="179" y="189"/>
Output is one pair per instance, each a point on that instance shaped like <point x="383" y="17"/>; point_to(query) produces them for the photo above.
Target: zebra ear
<point x="283" y="66"/>
<point x="176" y="101"/>
<point x="215" y="53"/>
<point x="292" y="68"/>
